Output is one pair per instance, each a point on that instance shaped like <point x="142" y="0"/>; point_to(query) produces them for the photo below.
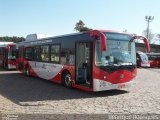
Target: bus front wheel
<point x="67" y="79"/>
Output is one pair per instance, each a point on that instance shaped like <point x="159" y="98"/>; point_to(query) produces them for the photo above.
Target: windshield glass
<point x="120" y="51"/>
<point x="144" y="57"/>
<point x="11" y="54"/>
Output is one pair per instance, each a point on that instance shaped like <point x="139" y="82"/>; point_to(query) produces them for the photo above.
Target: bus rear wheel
<point x="27" y="71"/>
<point x="67" y="79"/>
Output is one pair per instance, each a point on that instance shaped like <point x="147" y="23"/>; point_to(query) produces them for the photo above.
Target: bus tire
<point x="67" y="79"/>
<point x="27" y="71"/>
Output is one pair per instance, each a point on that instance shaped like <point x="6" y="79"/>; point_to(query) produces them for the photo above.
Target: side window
<point x="45" y="53"/>
<point x="64" y="56"/>
<point x="2" y="50"/>
<point x="55" y="53"/>
<point x="67" y="57"/>
<point x="36" y="53"/>
<point x="29" y="53"/>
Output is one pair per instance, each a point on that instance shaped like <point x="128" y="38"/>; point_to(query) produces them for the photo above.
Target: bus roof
<point x="36" y="35"/>
<point x="5" y="43"/>
<point x="49" y="40"/>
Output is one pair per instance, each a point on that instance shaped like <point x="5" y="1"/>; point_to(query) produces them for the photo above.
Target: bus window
<point x="98" y="53"/>
<point x="36" y="53"/>
<point x="117" y="54"/>
<point x="45" y="53"/>
<point x="55" y="50"/>
<point x="29" y="53"/>
<point x="142" y="59"/>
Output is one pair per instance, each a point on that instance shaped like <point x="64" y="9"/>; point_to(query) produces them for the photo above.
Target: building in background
<point x="154" y="44"/>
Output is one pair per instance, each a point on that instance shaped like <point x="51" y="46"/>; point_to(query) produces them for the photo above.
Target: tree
<point x="11" y="39"/>
<point x="80" y="26"/>
<point x="134" y="34"/>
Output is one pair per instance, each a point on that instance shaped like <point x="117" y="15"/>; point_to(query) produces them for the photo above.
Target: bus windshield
<point x="144" y="57"/>
<point x="120" y="51"/>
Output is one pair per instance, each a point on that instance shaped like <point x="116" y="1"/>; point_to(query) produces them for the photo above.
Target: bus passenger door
<point x="36" y="64"/>
<point x="20" y="58"/>
<point x="83" y="64"/>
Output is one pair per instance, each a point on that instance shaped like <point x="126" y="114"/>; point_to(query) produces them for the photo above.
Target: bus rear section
<point x="142" y="59"/>
<point x="2" y="56"/>
<point x="8" y="56"/>
<point x="91" y="61"/>
<point x="154" y="60"/>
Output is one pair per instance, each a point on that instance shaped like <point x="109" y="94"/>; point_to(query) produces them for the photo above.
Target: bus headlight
<point x="121" y="76"/>
<point x="134" y="74"/>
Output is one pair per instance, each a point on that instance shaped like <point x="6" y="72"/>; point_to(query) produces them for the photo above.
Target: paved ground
<point x="23" y="95"/>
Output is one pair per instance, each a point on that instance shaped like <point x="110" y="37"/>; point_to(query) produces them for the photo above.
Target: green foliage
<point x="11" y="39"/>
<point x="134" y="34"/>
<point x="80" y="26"/>
<point x="84" y="29"/>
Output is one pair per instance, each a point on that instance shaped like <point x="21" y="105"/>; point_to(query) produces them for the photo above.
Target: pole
<point x="148" y="19"/>
<point x="148" y="31"/>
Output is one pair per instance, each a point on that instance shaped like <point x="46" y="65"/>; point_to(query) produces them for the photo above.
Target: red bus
<point x="7" y="56"/>
<point x="1" y="55"/>
<point x="142" y="59"/>
<point x="91" y="61"/>
<point x="154" y="59"/>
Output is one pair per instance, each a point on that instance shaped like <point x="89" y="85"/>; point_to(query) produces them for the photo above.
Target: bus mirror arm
<point x="145" y="40"/>
<point x="103" y="38"/>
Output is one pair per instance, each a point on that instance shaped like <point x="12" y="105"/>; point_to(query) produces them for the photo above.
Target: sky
<point x="58" y="17"/>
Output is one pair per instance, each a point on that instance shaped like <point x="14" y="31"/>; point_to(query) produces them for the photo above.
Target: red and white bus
<point x="91" y="61"/>
<point x="1" y="55"/>
<point x="7" y="55"/>
<point x="142" y="59"/>
<point x="154" y="59"/>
